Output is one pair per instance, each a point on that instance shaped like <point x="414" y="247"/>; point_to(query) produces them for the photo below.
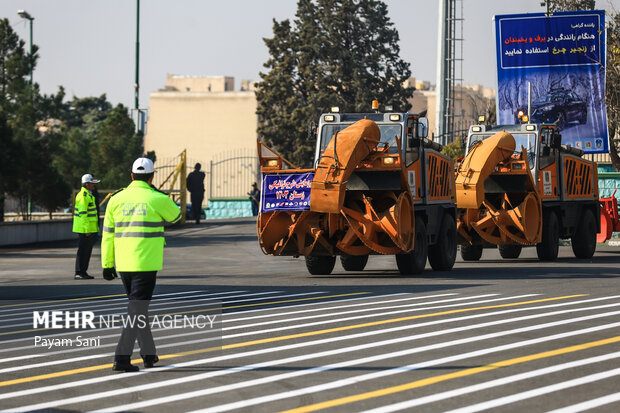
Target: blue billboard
<point x="286" y="192"/>
<point x="562" y="57"/>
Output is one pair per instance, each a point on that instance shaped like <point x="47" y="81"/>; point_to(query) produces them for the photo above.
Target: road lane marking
<point x="502" y="401"/>
<point x="63" y="301"/>
<point x="123" y="307"/>
<point x="590" y="404"/>
<point x="224" y="321"/>
<point x="154" y="303"/>
<point x="203" y="376"/>
<point x="207" y="309"/>
<point x="449" y="376"/>
<point x="333" y="320"/>
<point x="408" y="404"/>
<point x="313" y="389"/>
<point x="290" y="347"/>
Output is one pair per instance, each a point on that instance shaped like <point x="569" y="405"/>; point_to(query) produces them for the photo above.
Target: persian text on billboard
<point x="563" y="57"/>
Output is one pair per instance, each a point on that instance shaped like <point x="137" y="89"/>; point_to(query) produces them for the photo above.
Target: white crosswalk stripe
<point x="321" y="342"/>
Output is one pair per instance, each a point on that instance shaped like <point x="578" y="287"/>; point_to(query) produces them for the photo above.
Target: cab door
<point x="413" y="154"/>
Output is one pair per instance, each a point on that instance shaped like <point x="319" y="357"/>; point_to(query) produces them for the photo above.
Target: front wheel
<point x="414" y="262"/>
<point x="442" y="255"/>
<point x="547" y="249"/>
<point x="320" y="265"/>
<point x="471" y="252"/>
<point x="510" y="251"/>
<point x="353" y="262"/>
<point x="584" y="240"/>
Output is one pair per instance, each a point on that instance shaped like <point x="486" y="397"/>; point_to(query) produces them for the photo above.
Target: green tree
<point x="338" y="53"/>
<point x="15" y="95"/>
<point x="568" y="5"/>
<point x="117" y="146"/>
<point x="453" y="149"/>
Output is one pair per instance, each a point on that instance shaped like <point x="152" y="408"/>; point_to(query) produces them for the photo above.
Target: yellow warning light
<point x="375" y="104"/>
<point x="525" y="118"/>
<point x="481" y="119"/>
<point x="520" y="113"/>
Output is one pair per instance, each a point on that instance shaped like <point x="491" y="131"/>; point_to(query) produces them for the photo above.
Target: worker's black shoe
<point x="125" y="366"/>
<point x="84" y="276"/>
<point x="149" y="361"/>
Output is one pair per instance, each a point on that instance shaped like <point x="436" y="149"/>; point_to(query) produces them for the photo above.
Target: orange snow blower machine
<point x="378" y="187"/>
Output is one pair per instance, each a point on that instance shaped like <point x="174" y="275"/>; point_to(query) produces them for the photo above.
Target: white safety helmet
<point x="143" y="166"/>
<point x="88" y="178"/>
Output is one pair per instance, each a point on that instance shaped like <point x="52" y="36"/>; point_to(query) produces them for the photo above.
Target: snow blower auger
<point x="538" y="195"/>
<point x="355" y="203"/>
<point x="496" y="196"/>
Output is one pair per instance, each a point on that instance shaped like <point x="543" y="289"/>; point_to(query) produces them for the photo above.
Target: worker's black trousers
<point x="139" y="287"/>
<point x="85" y="248"/>
<point x="197" y="198"/>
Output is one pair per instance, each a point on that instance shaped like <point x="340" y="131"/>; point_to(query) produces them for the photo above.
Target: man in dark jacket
<point x="196" y="187"/>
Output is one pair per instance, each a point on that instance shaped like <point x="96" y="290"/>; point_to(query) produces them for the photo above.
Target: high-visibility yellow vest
<point x="85" y="219"/>
<point x="133" y="228"/>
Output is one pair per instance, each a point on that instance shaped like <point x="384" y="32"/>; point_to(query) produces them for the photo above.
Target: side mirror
<point x="422" y="131"/>
<point x="556" y="140"/>
<point x="463" y="142"/>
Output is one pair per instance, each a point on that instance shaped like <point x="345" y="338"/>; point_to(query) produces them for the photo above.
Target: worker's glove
<point x="109" y="273"/>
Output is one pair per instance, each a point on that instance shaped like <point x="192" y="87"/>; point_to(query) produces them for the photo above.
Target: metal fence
<point x="228" y="174"/>
<point x="231" y="173"/>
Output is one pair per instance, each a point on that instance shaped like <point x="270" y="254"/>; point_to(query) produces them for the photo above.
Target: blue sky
<point x="89" y="46"/>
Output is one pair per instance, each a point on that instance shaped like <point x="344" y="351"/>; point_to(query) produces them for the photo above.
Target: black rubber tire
<point x="584" y="240"/>
<point x="547" y="249"/>
<point x="353" y="262"/>
<point x="471" y="252"/>
<point x="415" y="261"/>
<point x="320" y="264"/>
<point x="510" y="251"/>
<point x="442" y="255"/>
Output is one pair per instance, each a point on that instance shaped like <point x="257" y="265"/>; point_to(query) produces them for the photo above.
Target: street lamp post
<point x="25" y="15"/>
<point x="137" y="84"/>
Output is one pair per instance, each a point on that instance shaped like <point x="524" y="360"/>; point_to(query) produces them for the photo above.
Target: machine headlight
<point x="388" y="161"/>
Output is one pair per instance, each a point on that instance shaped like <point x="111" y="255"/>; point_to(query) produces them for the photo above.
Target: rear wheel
<point x="510" y="251"/>
<point x="414" y="261"/>
<point x="471" y="252"/>
<point x="547" y="249"/>
<point x="354" y="262"/>
<point x="442" y="255"/>
<point x="584" y="240"/>
<point x="320" y="265"/>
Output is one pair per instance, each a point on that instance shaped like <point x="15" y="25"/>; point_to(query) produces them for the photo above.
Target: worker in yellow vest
<point x="133" y="243"/>
<point x="86" y="225"/>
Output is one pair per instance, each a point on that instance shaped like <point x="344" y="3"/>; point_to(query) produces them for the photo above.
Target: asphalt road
<point x="496" y="335"/>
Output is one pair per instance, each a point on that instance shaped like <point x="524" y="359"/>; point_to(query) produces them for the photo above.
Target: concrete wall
<point x="212" y="126"/>
<point x="18" y="233"/>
